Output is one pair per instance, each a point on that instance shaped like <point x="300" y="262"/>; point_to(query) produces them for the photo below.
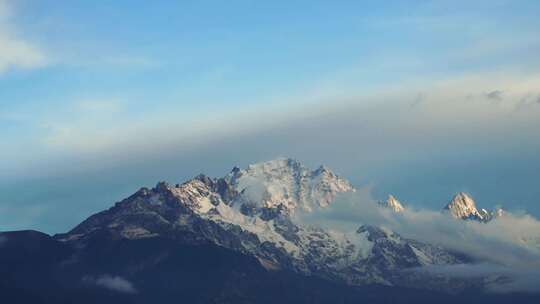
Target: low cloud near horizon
<point x="507" y="247"/>
<point x="114" y="283"/>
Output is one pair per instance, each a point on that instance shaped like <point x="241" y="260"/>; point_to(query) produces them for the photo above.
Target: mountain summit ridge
<point x="286" y="183"/>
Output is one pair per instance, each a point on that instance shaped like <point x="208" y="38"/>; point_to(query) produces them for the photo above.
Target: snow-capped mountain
<point x="392" y="203"/>
<point x="286" y="184"/>
<point x="236" y="236"/>
<point x="463" y="206"/>
<point x="251" y="211"/>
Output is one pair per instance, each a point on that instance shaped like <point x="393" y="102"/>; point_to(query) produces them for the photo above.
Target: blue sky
<point x="418" y="98"/>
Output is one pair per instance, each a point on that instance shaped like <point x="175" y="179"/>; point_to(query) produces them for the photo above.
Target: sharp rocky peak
<point x="392" y="203"/>
<point x="463" y="206"/>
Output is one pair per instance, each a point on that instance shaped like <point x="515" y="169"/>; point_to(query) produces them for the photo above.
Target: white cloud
<point x="511" y="240"/>
<point x="498" y="278"/>
<point x="507" y="247"/>
<point x="114" y="283"/>
<point x="15" y="51"/>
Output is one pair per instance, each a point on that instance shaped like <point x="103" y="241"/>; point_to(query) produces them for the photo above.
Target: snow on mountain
<point x="462" y="206"/>
<point x="250" y="211"/>
<point x="392" y="203"/>
<point x="286" y="184"/>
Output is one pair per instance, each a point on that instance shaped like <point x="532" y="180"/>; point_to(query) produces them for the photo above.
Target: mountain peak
<point x="288" y="184"/>
<point x="392" y="203"/>
<point x="463" y="206"/>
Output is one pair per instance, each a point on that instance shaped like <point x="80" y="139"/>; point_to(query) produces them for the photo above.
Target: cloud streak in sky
<point x="107" y="126"/>
<point x="15" y="51"/>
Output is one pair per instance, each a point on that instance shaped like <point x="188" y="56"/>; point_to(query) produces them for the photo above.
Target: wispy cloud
<point x="114" y="283"/>
<point x="505" y="247"/>
<point x="15" y="51"/>
<point x="498" y="278"/>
